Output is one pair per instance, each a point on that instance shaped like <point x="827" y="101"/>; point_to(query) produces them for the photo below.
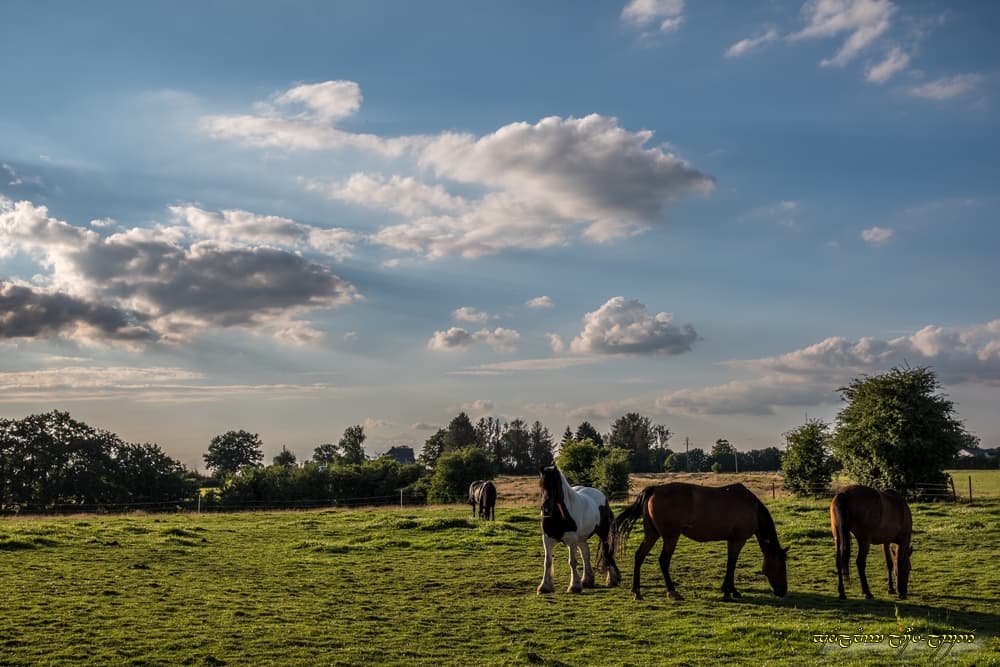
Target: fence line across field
<point x="199" y="505"/>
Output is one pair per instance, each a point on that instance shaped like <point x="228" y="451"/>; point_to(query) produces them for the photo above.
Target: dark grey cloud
<point x="26" y="312"/>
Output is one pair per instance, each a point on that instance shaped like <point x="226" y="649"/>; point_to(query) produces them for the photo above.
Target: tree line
<point x="896" y="431"/>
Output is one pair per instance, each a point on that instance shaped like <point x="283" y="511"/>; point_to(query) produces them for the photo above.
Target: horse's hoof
<point x="636" y="596"/>
<point x="869" y="596"/>
<point x="841" y="597"/>
<point x="674" y="595"/>
<point x="575" y="589"/>
<point x="612" y="582"/>
<point x="588" y="583"/>
<point x="544" y="590"/>
<point x="736" y="594"/>
<point x="902" y="596"/>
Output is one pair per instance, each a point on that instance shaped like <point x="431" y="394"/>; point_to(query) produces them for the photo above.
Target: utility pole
<point x="687" y="461"/>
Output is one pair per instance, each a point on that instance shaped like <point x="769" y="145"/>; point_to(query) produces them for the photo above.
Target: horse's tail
<point x="490" y="499"/>
<point x="627" y="518"/>
<point x="841" y="536"/>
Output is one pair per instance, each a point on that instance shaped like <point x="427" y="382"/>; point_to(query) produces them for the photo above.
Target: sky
<point x="295" y="217"/>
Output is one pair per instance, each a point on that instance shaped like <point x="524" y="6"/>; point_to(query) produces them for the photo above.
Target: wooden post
<point x="772" y="491"/>
<point x="970" y="488"/>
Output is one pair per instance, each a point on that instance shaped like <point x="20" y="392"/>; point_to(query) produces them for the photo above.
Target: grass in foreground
<point x="434" y="586"/>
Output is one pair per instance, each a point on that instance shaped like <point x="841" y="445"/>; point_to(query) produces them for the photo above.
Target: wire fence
<point x="211" y="503"/>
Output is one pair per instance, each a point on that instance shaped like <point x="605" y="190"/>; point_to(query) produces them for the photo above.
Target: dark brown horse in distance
<point x="703" y="513"/>
<point x="483" y="494"/>
<point x="874" y="517"/>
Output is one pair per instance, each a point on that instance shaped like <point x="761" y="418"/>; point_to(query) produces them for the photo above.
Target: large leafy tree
<point x="586" y="431"/>
<point x="352" y="445"/>
<point x="637" y="435"/>
<point x="455" y="470"/>
<point x="724" y="454"/>
<point x="232" y="450"/>
<point x="460" y="433"/>
<point x="516" y="448"/>
<point x="807" y="463"/>
<point x="897" y="430"/>
<point x="539" y="445"/>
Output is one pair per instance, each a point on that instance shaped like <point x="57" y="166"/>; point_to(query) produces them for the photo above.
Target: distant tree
<point x="352" y="445"/>
<point x="489" y="433"/>
<point x="659" y="450"/>
<point x="434" y="447"/>
<point x="461" y="433"/>
<point x="516" y="448"/>
<point x="635" y="434"/>
<point x="675" y="462"/>
<point x="697" y="460"/>
<point x="897" y="431"/>
<point x="586" y="431"/>
<point x="455" y="470"/>
<point x="539" y="446"/>
<point x="233" y="450"/>
<point x="724" y="454"/>
<point x="768" y="458"/>
<point x="576" y="461"/>
<point x="284" y="458"/>
<point x="610" y="473"/>
<point x="326" y="454"/>
<point x="567" y="436"/>
<point x="806" y="464"/>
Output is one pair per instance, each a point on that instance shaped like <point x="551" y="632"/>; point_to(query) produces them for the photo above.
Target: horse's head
<point x="903" y="569"/>
<point x="775" y="568"/>
<point x="550" y="484"/>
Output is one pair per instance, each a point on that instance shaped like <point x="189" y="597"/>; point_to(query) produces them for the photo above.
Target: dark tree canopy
<point x="645" y="442"/>
<point x="807" y="463"/>
<point x="455" y="470"/>
<point x="284" y="458"/>
<point x="460" y="433"/>
<point x="539" y="446"/>
<point x="897" y="430"/>
<point x="724" y="454"/>
<point x="233" y="450"/>
<point x="51" y="459"/>
<point x="352" y="445"/>
<point x="586" y="431"/>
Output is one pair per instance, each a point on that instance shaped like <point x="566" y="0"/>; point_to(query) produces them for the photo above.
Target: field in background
<point x="524" y="490"/>
<point x="433" y="586"/>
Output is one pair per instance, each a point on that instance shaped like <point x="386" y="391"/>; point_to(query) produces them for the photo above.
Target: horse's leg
<point x="887" y="551"/>
<point x="546" y="585"/>
<point x="729" y="591"/>
<point x="863" y="546"/>
<point x="649" y="539"/>
<point x="575" y="582"/>
<point x="669" y="544"/>
<point x="588" y="571"/>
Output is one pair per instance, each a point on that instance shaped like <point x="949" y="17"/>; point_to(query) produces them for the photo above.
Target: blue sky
<point x="295" y="217"/>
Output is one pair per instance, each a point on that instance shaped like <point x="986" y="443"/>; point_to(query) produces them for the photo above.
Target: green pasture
<point x="432" y="586"/>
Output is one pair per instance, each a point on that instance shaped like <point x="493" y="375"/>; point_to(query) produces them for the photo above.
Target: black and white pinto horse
<point x="483" y="494"/>
<point x="572" y="515"/>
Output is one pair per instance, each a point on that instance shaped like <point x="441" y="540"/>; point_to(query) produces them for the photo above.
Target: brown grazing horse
<point x="703" y="513"/>
<point x="874" y="517"/>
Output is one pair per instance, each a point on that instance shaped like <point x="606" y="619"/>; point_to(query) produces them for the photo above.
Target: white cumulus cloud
<point x="625" y="326"/>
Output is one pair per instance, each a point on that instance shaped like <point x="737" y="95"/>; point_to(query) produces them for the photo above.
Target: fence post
<point x="400" y="499"/>
<point x="199" y="502"/>
<point x="970" y="488"/>
<point x="772" y="491"/>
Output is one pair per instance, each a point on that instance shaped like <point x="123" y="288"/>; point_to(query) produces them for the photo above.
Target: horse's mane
<point x="766" y="531"/>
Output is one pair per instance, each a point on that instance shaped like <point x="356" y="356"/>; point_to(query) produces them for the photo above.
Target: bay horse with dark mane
<point x="704" y="514"/>
<point x="873" y="517"/>
<point x="483" y="494"/>
<point x="571" y="515"/>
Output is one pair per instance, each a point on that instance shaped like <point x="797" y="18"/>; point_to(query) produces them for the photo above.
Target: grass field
<point x="434" y="586"/>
